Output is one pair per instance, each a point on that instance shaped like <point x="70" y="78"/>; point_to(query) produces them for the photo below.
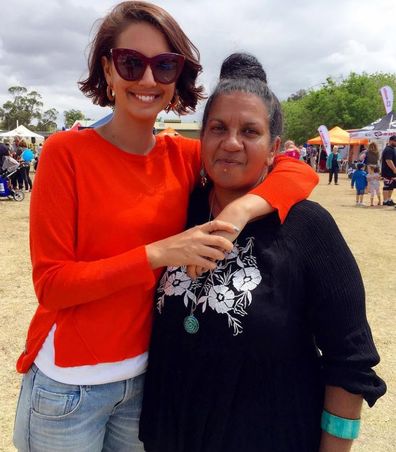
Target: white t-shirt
<point x="91" y="374"/>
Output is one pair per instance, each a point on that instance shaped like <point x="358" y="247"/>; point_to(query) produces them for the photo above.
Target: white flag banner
<point x="324" y="135"/>
<point x="387" y="98"/>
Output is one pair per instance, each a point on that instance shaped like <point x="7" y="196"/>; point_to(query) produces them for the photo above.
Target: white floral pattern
<point x="226" y="291"/>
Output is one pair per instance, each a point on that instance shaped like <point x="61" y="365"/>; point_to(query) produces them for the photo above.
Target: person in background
<point x="100" y="239"/>
<point x="373" y="180"/>
<point x="363" y="155"/>
<point x="37" y="156"/>
<point x="322" y="160"/>
<point x="388" y="171"/>
<point x="303" y="153"/>
<point x="373" y="154"/>
<point x="291" y="150"/>
<point x="333" y="165"/>
<point x="312" y="154"/>
<point x="18" y="178"/>
<point x="359" y="180"/>
<point x="256" y="355"/>
<point x="26" y="158"/>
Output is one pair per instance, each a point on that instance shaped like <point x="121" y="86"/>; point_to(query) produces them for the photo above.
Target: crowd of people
<point x="371" y="169"/>
<point x="27" y="156"/>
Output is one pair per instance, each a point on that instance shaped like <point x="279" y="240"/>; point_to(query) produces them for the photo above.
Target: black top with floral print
<point x="282" y="316"/>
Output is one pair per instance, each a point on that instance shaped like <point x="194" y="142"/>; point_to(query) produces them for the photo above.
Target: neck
<point x="220" y="198"/>
<point x="130" y="135"/>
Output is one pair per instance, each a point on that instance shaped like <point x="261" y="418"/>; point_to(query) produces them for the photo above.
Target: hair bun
<point x="242" y="65"/>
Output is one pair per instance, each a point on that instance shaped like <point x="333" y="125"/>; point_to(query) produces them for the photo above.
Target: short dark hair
<point x="360" y="165"/>
<point x="124" y="14"/>
<point x="243" y="72"/>
<point x="392" y="138"/>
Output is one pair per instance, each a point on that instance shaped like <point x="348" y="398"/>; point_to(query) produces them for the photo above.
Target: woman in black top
<point x="246" y="357"/>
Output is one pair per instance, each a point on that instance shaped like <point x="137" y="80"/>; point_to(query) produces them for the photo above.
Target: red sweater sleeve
<point x="61" y="277"/>
<point x="289" y="182"/>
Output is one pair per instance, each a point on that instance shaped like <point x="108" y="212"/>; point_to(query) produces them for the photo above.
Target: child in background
<point x="359" y="179"/>
<point x="373" y="179"/>
<point x="291" y="150"/>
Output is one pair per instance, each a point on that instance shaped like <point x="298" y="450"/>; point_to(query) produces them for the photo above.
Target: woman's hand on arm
<point x="343" y="404"/>
<point x="289" y="182"/>
<point x="239" y="213"/>
<point x="198" y="246"/>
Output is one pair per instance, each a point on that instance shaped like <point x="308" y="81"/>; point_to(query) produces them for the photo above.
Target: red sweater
<point x="93" y="209"/>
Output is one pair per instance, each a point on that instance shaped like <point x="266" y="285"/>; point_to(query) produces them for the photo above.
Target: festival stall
<point x="339" y="137"/>
<point x="23" y="132"/>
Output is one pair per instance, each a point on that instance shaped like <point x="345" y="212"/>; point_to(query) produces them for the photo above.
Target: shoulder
<point x="182" y="149"/>
<point x="308" y="216"/>
<point x="67" y="139"/>
<point x="62" y="137"/>
<point x="65" y="146"/>
<point x="388" y="150"/>
<point x="183" y="143"/>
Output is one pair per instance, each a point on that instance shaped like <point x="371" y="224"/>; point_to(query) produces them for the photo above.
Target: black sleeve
<point x="336" y="300"/>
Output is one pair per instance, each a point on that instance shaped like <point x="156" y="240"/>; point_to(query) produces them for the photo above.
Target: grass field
<point x="369" y="231"/>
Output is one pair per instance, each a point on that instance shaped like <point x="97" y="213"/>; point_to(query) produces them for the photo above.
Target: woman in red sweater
<point x="107" y="211"/>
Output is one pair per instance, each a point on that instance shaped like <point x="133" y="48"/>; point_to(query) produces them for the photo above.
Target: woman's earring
<point x="204" y="179"/>
<point x="110" y="94"/>
<point x="173" y="103"/>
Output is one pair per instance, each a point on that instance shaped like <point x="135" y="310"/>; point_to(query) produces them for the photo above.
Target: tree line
<point x="26" y="107"/>
<point x="351" y="103"/>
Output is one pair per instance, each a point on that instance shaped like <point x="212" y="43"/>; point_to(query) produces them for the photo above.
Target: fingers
<point x="200" y="271"/>
<point x="195" y="271"/>
<point x="214" y="254"/>
<point x="218" y="225"/>
<point x="217" y="241"/>
<point x="205" y="263"/>
<point x="191" y="271"/>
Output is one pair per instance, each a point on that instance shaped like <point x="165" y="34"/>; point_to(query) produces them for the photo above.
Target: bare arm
<point x="343" y="404"/>
<point x="391" y="165"/>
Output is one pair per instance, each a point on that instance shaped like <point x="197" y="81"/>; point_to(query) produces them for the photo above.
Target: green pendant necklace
<point x="190" y="322"/>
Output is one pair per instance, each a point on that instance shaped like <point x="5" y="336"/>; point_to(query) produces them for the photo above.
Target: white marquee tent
<point x="23" y="132"/>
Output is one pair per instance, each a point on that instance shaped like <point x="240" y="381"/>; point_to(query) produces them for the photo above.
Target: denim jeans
<point x="55" y="417"/>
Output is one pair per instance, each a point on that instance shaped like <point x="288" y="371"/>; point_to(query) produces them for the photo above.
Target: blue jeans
<point x="58" y="417"/>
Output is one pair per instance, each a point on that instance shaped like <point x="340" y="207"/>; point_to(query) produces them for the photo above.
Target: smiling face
<point x="236" y="143"/>
<point x="141" y="99"/>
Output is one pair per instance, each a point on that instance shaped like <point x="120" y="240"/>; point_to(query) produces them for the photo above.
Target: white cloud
<point x="43" y="45"/>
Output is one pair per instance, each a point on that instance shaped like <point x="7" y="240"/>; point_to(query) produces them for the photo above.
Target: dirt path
<point x="368" y="232"/>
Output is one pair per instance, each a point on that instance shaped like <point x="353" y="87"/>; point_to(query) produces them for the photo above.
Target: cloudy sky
<point x="43" y="44"/>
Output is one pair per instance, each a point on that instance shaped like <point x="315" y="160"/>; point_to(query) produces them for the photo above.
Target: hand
<point x="196" y="246"/>
<point x="195" y="271"/>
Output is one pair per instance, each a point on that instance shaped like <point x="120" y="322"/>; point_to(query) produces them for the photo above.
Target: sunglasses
<point x="131" y="65"/>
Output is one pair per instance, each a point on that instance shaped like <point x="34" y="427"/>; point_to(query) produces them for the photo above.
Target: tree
<point x="351" y="103"/>
<point x="71" y="116"/>
<point x="47" y="122"/>
<point x="23" y="108"/>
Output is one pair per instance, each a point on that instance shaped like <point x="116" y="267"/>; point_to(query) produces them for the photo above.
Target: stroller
<point x="9" y="167"/>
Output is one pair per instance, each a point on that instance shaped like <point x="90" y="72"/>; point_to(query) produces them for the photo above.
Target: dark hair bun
<point x="242" y="65"/>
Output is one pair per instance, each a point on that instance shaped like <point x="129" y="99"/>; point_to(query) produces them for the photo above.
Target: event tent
<point x="381" y="128"/>
<point x="23" y="132"/>
<point x="340" y="137"/>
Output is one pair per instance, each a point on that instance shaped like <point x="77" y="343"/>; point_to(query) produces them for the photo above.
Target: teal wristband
<point x="339" y="426"/>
